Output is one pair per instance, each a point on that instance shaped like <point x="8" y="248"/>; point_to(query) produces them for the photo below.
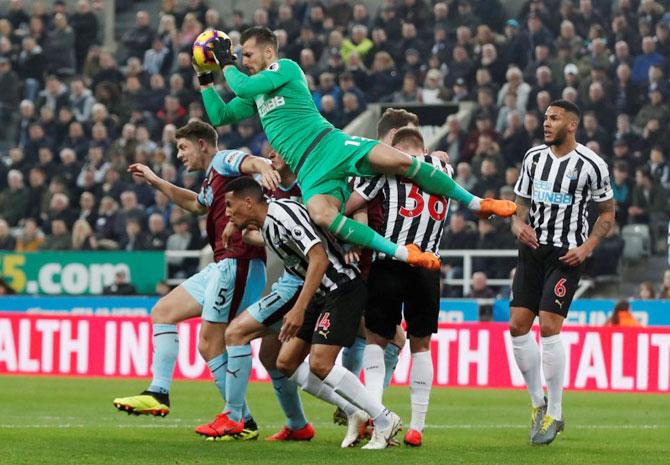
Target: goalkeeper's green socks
<point x="436" y="182"/>
<point x="357" y="233"/>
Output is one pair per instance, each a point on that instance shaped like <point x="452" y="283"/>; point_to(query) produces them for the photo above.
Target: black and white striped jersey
<point x="411" y="216"/>
<point x="290" y="233"/>
<point x="560" y="190"/>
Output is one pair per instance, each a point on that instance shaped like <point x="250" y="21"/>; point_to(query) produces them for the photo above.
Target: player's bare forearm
<point x="522" y="208"/>
<point x="185" y="198"/>
<point x="253" y="237"/>
<point x="316" y="268"/>
<point x="604" y="222"/>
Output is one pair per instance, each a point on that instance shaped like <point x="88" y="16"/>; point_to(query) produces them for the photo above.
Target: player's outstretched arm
<point x="186" y="199"/>
<point x="270" y="178"/>
<point x="316" y="268"/>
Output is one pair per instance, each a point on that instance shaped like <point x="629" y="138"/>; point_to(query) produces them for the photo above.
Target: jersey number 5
<point x="437" y="206"/>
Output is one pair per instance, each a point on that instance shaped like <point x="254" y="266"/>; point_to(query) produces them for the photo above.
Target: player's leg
<point x="421" y="382"/>
<point x="286" y="392"/>
<point x="336" y="328"/>
<point x="229" y="287"/>
<point x="352" y="357"/>
<point x="352" y="360"/>
<point x="325" y="209"/>
<point x="422" y="310"/>
<point x="559" y="289"/>
<point x="391" y="354"/>
<point x="383" y="312"/>
<point x="526" y="294"/>
<point x="387" y="160"/>
<point x="176" y="306"/>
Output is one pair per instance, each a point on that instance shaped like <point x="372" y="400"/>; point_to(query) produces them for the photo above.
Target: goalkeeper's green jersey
<point x="281" y="97"/>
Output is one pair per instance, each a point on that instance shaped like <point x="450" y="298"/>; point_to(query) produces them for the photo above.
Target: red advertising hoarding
<point x="464" y="355"/>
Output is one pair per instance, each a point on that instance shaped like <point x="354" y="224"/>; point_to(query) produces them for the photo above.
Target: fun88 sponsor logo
<point x="543" y="192"/>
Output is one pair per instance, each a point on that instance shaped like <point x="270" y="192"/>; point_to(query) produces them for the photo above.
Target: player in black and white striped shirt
<point x="556" y="183"/>
<point x="325" y="315"/>
<point x="396" y="289"/>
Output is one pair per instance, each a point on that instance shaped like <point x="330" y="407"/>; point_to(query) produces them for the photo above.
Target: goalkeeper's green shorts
<point x="329" y="162"/>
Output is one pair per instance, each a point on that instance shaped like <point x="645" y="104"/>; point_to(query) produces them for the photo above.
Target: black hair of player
<point x="263" y="36"/>
<point x="568" y="106"/>
<point x="245" y="186"/>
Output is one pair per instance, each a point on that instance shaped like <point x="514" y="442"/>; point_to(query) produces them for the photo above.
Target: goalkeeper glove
<point x="223" y="52"/>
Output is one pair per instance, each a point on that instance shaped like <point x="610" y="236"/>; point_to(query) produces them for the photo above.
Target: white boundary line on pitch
<point x="465" y="426"/>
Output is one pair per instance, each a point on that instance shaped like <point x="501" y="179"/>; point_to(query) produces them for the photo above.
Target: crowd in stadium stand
<point x="73" y="115"/>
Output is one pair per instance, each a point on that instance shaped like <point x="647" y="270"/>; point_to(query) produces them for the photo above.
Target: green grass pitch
<point x="72" y="421"/>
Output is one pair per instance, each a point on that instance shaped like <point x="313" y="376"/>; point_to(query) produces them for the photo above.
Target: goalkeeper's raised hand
<point x="222" y="49"/>
<point x="205" y="78"/>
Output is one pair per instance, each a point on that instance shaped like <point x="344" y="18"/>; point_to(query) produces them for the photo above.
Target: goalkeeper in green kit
<point x="322" y="157"/>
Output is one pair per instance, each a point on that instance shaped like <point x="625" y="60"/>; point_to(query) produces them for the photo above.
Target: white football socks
<point x="421" y="381"/>
<point x="553" y="365"/>
<point x="348" y="386"/>
<point x="309" y="382"/>
<point x="527" y="356"/>
<point x="375" y="370"/>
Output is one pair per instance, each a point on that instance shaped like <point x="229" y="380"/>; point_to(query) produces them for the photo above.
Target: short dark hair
<point x="263" y="36"/>
<point x="196" y="130"/>
<point x="567" y="106"/>
<point x="245" y="186"/>
<point x="408" y="135"/>
<point x="394" y="118"/>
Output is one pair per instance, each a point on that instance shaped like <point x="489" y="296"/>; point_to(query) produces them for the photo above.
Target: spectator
<point x="130" y="210"/>
<point x="409" y="92"/>
<point x="14" y="198"/>
<point x="83" y="237"/>
<point x="181" y="239"/>
<point x="645" y="60"/>
<point x="7" y="241"/>
<point x="622" y="316"/>
<point x="351" y="108"/>
<point x="31" y="66"/>
<point x="134" y="238"/>
<point x="60" y="238"/>
<point x="458" y="235"/>
<point x="330" y="112"/>
<point x="622" y="190"/>
<point x="605" y="258"/>
<point x="9" y="96"/>
<point x="433" y="92"/>
<point x="515" y="84"/>
<point x="464" y="176"/>
<point x="87" y="209"/>
<point x="646" y="291"/>
<point x="658" y="167"/>
<point x="480" y="289"/>
<point x="654" y="109"/>
<point x="85" y="26"/>
<point x="139" y="38"/>
<point x="121" y="286"/>
<point x="358" y="42"/>
<point x="30" y="238"/>
<point x="648" y="198"/>
<point x="81" y="100"/>
<point x="157" y="238"/>
<point x="60" y="47"/>
<point x="665" y="286"/>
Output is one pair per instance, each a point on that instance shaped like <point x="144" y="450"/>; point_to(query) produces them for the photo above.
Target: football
<point x="202" y="55"/>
